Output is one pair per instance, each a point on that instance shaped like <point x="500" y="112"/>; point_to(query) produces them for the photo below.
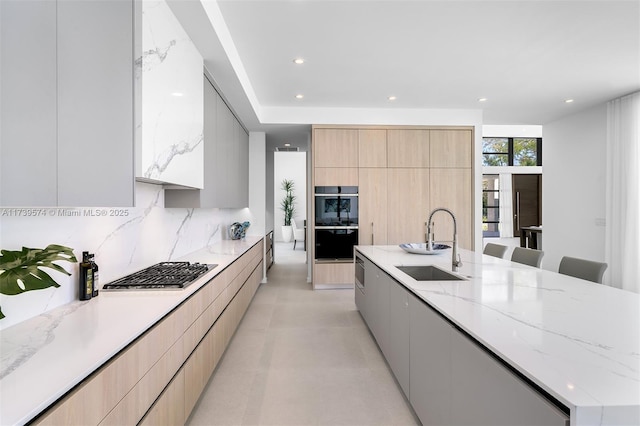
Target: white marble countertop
<point x="46" y="356"/>
<point x="577" y="340"/>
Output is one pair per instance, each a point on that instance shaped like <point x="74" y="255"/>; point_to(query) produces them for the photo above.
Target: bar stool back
<point x="582" y="268"/>
<point x="527" y="256"/>
<point x="495" y="250"/>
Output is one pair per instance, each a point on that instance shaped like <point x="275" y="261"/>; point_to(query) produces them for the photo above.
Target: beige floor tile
<point x="302" y="357"/>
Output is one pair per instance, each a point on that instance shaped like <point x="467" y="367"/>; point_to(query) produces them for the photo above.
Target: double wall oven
<point x="336" y="223"/>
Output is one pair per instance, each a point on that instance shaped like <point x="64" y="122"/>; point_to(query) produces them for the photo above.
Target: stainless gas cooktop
<point x="162" y="276"/>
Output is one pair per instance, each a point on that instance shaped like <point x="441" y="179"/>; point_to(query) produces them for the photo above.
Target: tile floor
<point x="301" y="357"/>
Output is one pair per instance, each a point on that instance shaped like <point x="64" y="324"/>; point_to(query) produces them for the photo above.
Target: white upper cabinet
<point x="226" y="158"/>
<point x="170" y="74"/>
<point x="67" y="103"/>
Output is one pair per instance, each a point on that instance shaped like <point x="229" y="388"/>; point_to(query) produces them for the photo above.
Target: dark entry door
<point x="527" y="201"/>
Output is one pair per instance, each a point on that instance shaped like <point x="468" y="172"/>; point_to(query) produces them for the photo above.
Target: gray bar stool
<point x="527" y="256"/>
<point x="582" y="268"/>
<point x="495" y="250"/>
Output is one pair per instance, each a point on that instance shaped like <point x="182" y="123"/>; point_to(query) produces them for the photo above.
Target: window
<point x="490" y="205"/>
<point x="512" y="151"/>
<point x="495" y="151"/>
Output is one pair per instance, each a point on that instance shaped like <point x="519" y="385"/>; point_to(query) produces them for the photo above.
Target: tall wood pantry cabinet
<point x="402" y="173"/>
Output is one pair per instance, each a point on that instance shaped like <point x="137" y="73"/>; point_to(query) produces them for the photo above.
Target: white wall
<point x="138" y="237"/>
<point x="257" y="194"/>
<point x="511" y="131"/>
<point x="292" y="166"/>
<point x="574" y="187"/>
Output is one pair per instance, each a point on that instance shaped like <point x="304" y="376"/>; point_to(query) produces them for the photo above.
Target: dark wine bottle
<point x="86" y="277"/>
<point x="96" y="282"/>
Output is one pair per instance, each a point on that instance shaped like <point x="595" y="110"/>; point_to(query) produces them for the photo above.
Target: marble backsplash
<point x="123" y="240"/>
<point x="169" y="74"/>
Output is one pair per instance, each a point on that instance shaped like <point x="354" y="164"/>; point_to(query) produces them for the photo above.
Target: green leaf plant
<point x="20" y="270"/>
<point x="287" y="205"/>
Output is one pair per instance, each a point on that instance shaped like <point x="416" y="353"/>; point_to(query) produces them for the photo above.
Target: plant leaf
<point x="20" y="270"/>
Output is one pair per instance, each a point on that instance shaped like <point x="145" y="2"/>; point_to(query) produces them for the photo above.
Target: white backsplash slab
<point x="123" y="240"/>
<point x="170" y="74"/>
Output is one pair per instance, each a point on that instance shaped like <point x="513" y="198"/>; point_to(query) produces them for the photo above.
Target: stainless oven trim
<point x="336" y="260"/>
<point x="336" y="195"/>
<point x="336" y="227"/>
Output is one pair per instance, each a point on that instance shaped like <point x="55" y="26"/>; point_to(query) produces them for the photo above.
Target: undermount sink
<point x="429" y="273"/>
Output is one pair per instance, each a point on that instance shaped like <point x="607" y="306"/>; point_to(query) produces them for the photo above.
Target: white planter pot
<point x="287" y="233"/>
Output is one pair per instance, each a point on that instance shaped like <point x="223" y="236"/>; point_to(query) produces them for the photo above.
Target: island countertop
<point x="578" y="341"/>
<point x="46" y="356"/>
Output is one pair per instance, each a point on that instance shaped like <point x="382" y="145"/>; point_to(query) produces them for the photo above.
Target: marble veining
<point x="135" y="220"/>
<point x="183" y="224"/>
<point x="578" y="340"/>
<point x="37" y="337"/>
<point x="154" y="56"/>
<point x="48" y="355"/>
<point x="163" y="160"/>
<point x="142" y="236"/>
<point x="172" y="97"/>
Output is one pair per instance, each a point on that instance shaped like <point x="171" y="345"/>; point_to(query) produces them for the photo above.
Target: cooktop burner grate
<point x="164" y="275"/>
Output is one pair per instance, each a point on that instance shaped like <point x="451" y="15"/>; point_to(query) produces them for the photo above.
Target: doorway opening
<point x="509" y="203"/>
<point x="290" y="235"/>
<point x="527" y="202"/>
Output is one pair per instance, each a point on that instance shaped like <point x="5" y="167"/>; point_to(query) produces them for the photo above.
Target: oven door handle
<point x="336" y="227"/>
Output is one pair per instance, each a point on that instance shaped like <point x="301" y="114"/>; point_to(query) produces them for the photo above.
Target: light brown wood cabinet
<point x="408" y="148"/>
<point x="451" y="188"/>
<point x="451" y="148"/>
<point x="402" y="173"/>
<point x="169" y="409"/>
<point x="372" y="202"/>
<point x="336" y="176"/>
<point x="159" y="377"/>
<point x="333" y="275"/>
<point x="335" y="148"/>
<point x="372" y="148"/>
<point x="407" y="205"/>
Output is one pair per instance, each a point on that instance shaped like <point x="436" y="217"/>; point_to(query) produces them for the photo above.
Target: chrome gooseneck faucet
<point x="455" y="257"/>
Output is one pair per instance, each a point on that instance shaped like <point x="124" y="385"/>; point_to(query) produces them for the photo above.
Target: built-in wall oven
<point x="336" y="222"/>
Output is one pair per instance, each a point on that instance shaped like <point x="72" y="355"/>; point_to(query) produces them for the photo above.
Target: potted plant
<point x="287" y="205"/>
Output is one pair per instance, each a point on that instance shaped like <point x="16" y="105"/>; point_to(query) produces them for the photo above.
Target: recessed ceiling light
<point x="299" y="96"/>
<point x="177" y="94"/>
<point x="482" y="99"/>
<point x="392" y="98"/>
<point x="568" y="101"/>
<point x="298" y="61"/>
<point x="287" y="144"/>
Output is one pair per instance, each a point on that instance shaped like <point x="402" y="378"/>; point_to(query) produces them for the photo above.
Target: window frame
<point x="494" y="208"/>
<point x="510" y="153"/>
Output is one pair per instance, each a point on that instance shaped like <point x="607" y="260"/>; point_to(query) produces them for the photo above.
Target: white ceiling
<point x="525" y="57"/>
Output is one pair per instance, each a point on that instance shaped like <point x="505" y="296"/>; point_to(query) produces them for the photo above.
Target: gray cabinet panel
<point x="226" y="160"/>
<point x="67" y="103"/>
<point x="241" y="194"/>
<point x="399" y="336"/>
<point x="383" y="283"/>
<point x="446" y="376"/>
<point x="484" y="392"/>
<point x="95" y="103"/>
<point x="28" y="132"/>
<point x="430" y="364"/>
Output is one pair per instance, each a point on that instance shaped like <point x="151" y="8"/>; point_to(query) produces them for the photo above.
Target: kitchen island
<point x="107" y="360"/>
<point x="562" y="343"/>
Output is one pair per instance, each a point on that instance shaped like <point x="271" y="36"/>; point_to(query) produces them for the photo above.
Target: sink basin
<point x="429" y="273"/>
